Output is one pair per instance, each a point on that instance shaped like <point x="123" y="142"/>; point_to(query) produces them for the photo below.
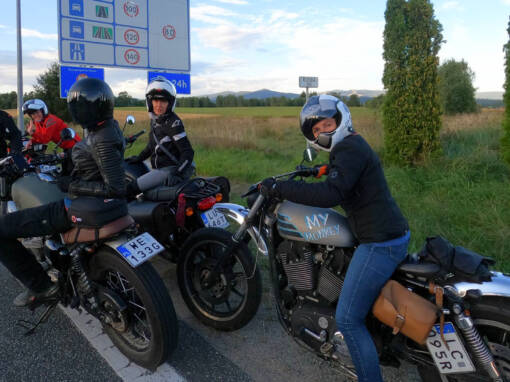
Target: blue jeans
<point x="371" y="267"/>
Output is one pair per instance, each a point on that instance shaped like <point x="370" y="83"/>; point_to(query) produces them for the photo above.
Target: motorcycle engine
<point x="314" y="279"/>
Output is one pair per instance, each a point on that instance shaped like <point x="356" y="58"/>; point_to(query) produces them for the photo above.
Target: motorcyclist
<point x="9" y="131"/>
<point x="356" y="182"/>
<point x="45" y="127"/>
<point x="169" y="147"/>
<point x="98" y="172"/>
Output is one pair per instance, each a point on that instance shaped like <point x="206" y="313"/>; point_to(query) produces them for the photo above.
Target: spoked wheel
<point x="492" y="319"/>
<point x="142" y="321"/>
<point x="229" y="300"/>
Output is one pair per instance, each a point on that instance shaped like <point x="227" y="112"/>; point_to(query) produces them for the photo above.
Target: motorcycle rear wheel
<point x="235" y="296"/>
<point x="492" y="319"/>
<point x="149" y="334"/>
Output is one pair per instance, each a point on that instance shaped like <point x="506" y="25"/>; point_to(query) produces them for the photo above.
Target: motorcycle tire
<point x="222" y="306"/>
<point x="491" y="316"/>
<point x="150" y="333"/>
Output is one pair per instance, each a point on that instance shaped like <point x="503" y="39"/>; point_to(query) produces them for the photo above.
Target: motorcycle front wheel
<point x="491" y="315"/>
<point x="145" y="326"/>
<point x="232" y="300"/>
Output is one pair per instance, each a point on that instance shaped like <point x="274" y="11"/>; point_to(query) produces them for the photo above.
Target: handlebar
<point x="134" y="137"/>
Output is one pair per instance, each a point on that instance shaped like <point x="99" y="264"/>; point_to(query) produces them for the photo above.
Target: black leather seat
<point x="419" y="269"/>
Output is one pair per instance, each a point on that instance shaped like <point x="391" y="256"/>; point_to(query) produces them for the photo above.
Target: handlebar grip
<point x="322" y="170"/>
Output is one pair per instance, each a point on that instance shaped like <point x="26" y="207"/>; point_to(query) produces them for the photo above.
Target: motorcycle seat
<point x="84" y="234"/>
<point x="163" y="193"/>
<point x="419" y="269"/>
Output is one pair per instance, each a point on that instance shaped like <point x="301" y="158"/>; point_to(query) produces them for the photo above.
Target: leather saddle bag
<point x="405" y="311"/>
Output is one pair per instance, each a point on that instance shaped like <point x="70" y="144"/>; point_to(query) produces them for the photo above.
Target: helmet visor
<point x="316" y="109"/>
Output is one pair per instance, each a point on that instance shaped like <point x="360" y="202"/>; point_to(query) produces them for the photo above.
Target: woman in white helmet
<point x="356" y="182"/>
<point x="169" y="147"/>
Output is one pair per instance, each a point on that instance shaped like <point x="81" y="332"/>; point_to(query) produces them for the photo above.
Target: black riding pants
<point x="39" y="221"/>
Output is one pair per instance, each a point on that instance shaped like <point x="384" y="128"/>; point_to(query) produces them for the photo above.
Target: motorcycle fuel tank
<point x="31" y="191"/>
<point x="313" y="225"/>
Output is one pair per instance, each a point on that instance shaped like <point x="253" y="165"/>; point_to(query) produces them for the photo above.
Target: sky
<point x="247" y="45"/>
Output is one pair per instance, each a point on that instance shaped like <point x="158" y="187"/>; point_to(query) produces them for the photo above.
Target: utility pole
<point x="21" y="126"/>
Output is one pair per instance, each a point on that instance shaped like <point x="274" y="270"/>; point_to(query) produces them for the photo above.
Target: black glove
<point x="269" y="188"/>
<point x="173" y="180"/>
<point x="133" y="159"/>
<point x="63" y="183"/>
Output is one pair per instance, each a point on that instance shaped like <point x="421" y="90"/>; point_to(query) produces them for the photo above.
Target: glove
<point x="269" y="188"/>
<point x="63" y="183"/>
<point x="321" y="170"/>
<point x="173" y="180"/>
<point x="132" y="159"/>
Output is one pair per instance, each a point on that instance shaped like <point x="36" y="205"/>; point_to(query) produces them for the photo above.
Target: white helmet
<point x="160" y="88"/>
<point x="33" y="105"/>
<point x="321" y="107"/>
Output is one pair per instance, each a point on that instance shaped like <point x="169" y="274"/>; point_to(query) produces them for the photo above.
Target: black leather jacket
<point x="170" y="133"/>
<point x="8" y="130"/>
<point x="98" y="163"/>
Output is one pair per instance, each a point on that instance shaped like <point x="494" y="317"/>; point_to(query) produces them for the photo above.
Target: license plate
<point x="452" y="360"/>
<point x="140" y="249"/>
<point x="214" y="218"/>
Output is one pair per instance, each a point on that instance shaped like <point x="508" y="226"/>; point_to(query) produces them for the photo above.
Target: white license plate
<point x="452" y="360"/>
<point x="214" y="218"/>
<point x="140" y="249"/>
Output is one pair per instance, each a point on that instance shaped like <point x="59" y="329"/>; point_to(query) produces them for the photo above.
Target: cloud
<point x="35" y="33"/>
<point x="452" y="5"/>
<point x="506" y="2"/>
<point x="210" y="14"/>
<point x="229" y="37"/>
<point x="236" y="2"/>
<point x="48" y="55"/>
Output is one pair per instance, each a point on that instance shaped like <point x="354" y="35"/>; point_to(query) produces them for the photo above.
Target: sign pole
<point x="307" y="94"/>
<point x="21" y="125"/>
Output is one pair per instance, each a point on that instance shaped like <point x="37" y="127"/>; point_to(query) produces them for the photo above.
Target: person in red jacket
<point x="45" y="127"/>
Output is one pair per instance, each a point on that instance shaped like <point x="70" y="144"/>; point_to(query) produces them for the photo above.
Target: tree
<point x="47" y="88"/>
<point x="411" y="109"/>
<point x="456" y="89"/>
<point x="505" y="140"/>
<point x="353" y="100"/>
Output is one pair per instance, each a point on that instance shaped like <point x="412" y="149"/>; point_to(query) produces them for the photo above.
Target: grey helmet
<point x="321" y="107"/>
<point x="33" y="105"/>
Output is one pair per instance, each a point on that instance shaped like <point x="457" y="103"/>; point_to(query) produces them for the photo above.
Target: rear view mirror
<point x="309" y="154"/>
<point x="67" y="134"/>
<point x="130" y="120"/>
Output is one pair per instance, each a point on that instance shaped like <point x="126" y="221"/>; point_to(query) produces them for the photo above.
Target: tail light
<point x="206" y="203"/>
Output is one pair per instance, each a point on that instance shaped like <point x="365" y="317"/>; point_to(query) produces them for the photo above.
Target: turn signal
<point x="219" y="197"/>
<point x="189" y="211"/>
<point x="206" y="203"/>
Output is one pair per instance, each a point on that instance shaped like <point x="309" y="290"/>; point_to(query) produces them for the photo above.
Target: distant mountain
<point x="489" y="95"/>
<point x="258" y="94"/>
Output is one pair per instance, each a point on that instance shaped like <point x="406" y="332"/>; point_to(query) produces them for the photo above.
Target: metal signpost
<point x="308" y="82"/>
<point x="138" y="34"/>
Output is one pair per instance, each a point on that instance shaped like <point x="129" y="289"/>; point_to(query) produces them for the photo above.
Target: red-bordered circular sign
<point x="131" y="9"/>
<point x="169" y="32"/>
<point x="131" y="37"/>
<point x="132" y="56"/>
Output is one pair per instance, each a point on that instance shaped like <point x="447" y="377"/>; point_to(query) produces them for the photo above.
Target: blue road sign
<point x="70" y="74"/>
<point x="181" y="81"/>
<point x="76" y="29"/>
<point x="76" y="8"/>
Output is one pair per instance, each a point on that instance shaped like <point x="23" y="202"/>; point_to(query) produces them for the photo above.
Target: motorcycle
<point x="183" y="218"/>
<point x="103" y="270"/>
<point x="309" y="250"/>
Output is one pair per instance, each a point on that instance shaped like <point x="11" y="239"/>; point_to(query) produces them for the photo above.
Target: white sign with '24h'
<point x="141" y="34"/>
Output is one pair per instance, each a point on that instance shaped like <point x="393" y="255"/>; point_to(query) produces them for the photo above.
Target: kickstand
<point x="42" y="319"/>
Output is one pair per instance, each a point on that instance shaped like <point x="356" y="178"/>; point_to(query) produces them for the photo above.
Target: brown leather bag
<point x="405" y="311"/>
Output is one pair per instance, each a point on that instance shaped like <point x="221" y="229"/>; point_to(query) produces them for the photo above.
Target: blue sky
<point x="252" y="44"/>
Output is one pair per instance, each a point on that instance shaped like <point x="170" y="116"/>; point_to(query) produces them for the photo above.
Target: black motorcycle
<point x="100" y="268"/>
<point x="309" y="251"/>
<point x="184" y="219"/>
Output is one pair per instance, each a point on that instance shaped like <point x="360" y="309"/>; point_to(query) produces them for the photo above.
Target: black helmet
<point x="90" y="100"/>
